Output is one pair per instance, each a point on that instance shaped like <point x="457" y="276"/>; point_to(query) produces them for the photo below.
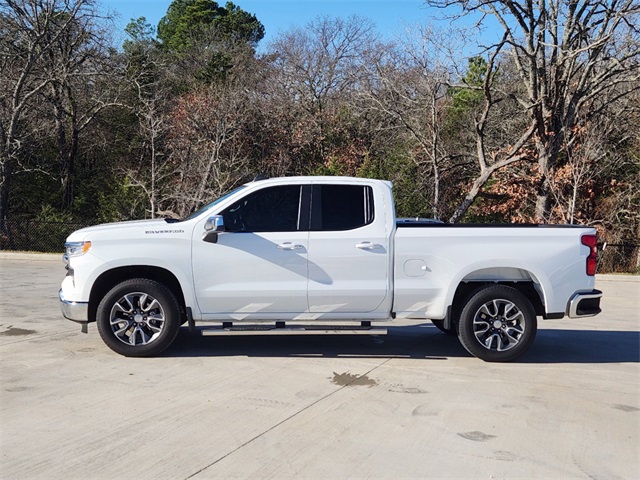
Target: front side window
<point x="214" y="203"/>
<point x="341" y="207"/>
<point x="272" y="209"/>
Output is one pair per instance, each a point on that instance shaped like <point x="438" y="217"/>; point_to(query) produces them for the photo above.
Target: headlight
<point x="76" y="249"/>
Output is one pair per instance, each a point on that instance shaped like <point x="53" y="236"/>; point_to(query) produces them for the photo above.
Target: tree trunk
<point x="542" y="200"/>
<point x="638" y="250"/>
<point x="70" y="171"/>
<point x="5" y="189"/>
<point x="471" y="195"/>
<point x="434" y="155"/>
<point x="67" y="148"/>
<point x="548" y="147"/>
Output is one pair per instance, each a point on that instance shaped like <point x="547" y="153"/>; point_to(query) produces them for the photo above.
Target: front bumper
<point x="76" y="311"/>
<point x="584" y="304"/>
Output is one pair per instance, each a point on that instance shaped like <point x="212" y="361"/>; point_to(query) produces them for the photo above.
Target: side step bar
<point x="281" y="329"/>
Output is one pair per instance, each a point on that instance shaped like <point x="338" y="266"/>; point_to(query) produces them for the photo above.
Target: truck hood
<point x="135" y="225"/>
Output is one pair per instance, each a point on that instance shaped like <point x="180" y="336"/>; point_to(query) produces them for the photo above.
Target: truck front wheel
<point x="138" y="318"/>
<point x="497" y="324"/>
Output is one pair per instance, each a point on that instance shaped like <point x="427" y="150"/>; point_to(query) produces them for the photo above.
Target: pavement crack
<point x="304" y="409"/>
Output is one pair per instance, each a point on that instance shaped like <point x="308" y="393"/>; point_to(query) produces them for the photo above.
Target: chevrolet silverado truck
<point x="324" y="255"/>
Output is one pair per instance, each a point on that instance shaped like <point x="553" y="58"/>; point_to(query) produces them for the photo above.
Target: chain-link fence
<point x="37" y="236"/>
<point x="619" y="258"/>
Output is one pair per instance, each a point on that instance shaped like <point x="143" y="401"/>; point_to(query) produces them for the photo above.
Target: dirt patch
<point x="625" y="408"/>
<point x="351" y="380"/>
<point x="476" y="436"/>
<point x="17" y="332"/>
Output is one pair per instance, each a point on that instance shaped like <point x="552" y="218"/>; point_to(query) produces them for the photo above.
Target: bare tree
<point x="317" y="67"/>
<point x="84" y="82"/>
<point x="52" y="52"/>
<point x="493" y="152"/>
<point x="150" y="173"/>
<point x="207" y="148"/>
<point x="30" y="31"/>
<point x="146" y="73"/>
<point x="588" y="156"/>
<point x="408" y="83"/>
<point x="567" y="53"/>
<point x="320" y="61"/>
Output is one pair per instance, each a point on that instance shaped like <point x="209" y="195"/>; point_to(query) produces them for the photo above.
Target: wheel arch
<point x="109" y="279"/>
<point x="520" y="279"/>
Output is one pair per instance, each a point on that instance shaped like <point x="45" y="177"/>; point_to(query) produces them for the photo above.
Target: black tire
<point x="497" y="324"/>
<point x="439" y="324"/>
<point x="139" y="318"/>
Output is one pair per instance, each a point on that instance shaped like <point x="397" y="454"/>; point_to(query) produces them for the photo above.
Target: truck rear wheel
<point x="138" y="318"/>
<point x="497" y="324"/>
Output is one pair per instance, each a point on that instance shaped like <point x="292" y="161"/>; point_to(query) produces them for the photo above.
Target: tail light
<point x="591" y="241"/>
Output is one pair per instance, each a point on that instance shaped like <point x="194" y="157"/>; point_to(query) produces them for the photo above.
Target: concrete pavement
<point x="412" y="404"/>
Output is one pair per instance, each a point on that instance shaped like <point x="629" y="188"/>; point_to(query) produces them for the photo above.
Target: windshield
<point x="215" y="202"/>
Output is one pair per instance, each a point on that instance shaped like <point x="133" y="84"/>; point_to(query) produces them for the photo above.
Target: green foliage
<point x="206" y="41"/>
<point x="140" y="50"/>
<point x="464" y="99"/>
<point x="182" y="18"/>
<point x="32" y="190"/>
<point x="216" y="68"/>
<point x="332" y="168"/>
<point x="105" y="197"/>
<point x="408" y="192"/>
<point x="187" y="19"/>
<point x="48" y="213"/>
<point x="139" y="31"/>
<point x="464" y="102"/>
<point x="44" y="232"/>
<point x="239" y="26"/>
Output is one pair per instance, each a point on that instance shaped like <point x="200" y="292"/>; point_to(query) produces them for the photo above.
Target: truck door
<point x="348" y="250"/>
<point x="259" y="263"/>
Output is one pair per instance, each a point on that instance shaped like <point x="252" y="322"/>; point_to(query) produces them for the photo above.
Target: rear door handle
<point x="368" y="246"/>
<point x="289" y="246"/>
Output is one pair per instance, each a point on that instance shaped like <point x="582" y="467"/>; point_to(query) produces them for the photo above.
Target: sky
<point x="280" y="15"/>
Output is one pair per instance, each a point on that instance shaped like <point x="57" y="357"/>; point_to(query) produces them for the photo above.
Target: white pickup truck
<point x="324" y="254"/>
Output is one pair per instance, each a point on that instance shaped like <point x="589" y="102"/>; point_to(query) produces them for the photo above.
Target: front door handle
<point x="368" y="246"/>
<point x="289" y="246"/>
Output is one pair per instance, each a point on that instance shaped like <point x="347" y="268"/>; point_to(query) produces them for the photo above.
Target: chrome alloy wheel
<point x="499" y="325"/>
<point x="137" y="319"/>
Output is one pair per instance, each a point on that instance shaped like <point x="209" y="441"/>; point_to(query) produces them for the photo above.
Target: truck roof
<point x="317" y="179"/>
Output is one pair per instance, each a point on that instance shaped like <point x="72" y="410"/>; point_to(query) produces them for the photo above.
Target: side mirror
<point x="214" y="224"/>
<point x="212" y="227"/>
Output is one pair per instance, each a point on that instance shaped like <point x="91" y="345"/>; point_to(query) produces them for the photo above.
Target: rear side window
<point x="341" y="207"/>
<point x="272" y="209"/>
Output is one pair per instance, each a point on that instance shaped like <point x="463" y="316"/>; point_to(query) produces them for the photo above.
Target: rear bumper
<point x="584" y="304"/>
<point x="76" y="311"/>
